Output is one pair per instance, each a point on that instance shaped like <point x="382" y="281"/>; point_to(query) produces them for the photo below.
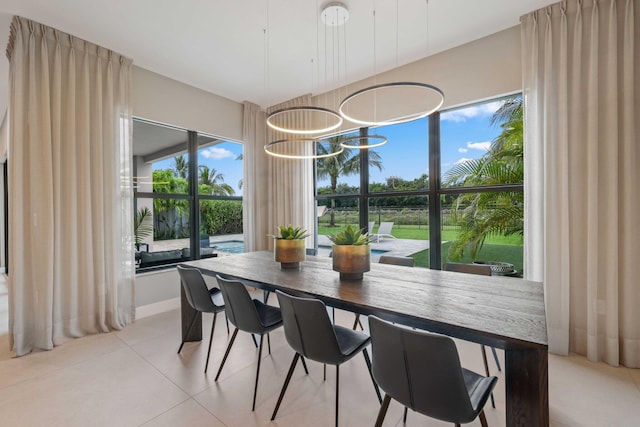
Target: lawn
<point x="496" y="247"/>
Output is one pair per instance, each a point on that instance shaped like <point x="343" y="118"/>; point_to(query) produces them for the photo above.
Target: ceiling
<point x="221" y="46"/>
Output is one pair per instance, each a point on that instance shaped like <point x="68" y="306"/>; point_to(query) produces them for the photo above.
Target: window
<point x="184" y="203"/>
<point x="451" y="184"/>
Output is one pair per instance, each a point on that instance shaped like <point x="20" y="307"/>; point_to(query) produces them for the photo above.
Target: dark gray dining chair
<point x="481" y="270"/>
<point x="247" y="315"/>
<point x="422" y="371"/>
<point x="404" y="261"/>
<point x="202" y="300"/>
<point x="311" y="334"/>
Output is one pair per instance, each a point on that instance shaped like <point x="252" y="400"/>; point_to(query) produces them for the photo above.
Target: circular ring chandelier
<point x="345" y="143"/>
<point x="305" y="109"/>
<point x="269" y="149"/>
<point x="404" y="119"/>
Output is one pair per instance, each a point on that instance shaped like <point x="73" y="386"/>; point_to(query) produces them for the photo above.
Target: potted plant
<point x="351" y="253"/>
<point x="289" y="248"/>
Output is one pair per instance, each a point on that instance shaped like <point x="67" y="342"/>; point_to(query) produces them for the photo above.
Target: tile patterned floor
<point x="135" y="378"/>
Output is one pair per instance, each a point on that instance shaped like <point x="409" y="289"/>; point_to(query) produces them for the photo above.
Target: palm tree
<point x="481" y="214"/>
<point x="344" y="164"/>
<point x="181" y="168"/>
<point x="214" y="181"/>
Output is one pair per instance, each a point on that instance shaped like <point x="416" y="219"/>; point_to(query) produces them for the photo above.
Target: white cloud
<point x="463" y="114"/>
<point x="462" y="150"/>
<point x="462" y="160"/>
<point x="216" y="153"/>
<point x="482" y="146"/>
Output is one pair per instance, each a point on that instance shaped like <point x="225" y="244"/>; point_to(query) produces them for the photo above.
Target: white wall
<point x="164" y="100"/>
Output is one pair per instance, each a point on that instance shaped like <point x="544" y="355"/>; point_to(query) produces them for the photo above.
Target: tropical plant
<point x="481" y="214"/>
<point x="142" y="225"/>
<point x="351" y="236"/>
<point x="212" y="182"/>
<point x="181" y="167"/>
<point x="290" y="233"/>
<point x="344" y="164"/>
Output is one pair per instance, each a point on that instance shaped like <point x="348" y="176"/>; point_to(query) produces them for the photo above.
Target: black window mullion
<point x="435" y="183"/>
<point x="364" y="183"/>
<point x="194" y="211"/>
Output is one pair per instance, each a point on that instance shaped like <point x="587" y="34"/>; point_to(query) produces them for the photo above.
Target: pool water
<point x="230" y="246"/>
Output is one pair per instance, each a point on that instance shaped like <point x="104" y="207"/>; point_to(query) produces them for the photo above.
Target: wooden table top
<point x="502" y="312"/>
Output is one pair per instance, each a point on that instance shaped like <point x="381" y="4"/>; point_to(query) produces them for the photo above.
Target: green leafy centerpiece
<point x="351" y="253"/>
<point x="289" y="248"/>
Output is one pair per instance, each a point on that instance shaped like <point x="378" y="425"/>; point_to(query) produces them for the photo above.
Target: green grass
<point x="489" y="252"/>
<point x="496" y="247"/>
<point x="416" y="232"/>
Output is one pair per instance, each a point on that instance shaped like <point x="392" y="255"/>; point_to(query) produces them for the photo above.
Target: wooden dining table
<point x="501" y="312"/>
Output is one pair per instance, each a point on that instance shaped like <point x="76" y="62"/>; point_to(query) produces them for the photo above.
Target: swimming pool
<point x="230" y="246"/>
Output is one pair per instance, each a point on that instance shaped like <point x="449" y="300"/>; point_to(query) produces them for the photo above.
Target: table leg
<point x="186" y="314"/>
<point x="527" y="387"/>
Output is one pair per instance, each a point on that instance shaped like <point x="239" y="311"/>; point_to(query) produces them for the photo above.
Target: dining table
<point x="502" y="312"/>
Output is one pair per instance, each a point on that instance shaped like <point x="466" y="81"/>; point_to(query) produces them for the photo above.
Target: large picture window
<point x="445" y="188"/>
<point x="188" y="195"/>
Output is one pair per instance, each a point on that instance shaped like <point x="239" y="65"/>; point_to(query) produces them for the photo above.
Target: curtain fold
<point x="71" y="268"/>
<point x="291" y="191"/>
<point x="582" y="206"/>
<point x="255" y="200"/>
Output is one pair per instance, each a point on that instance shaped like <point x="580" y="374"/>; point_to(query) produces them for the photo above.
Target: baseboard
<point x="157" y="308"/>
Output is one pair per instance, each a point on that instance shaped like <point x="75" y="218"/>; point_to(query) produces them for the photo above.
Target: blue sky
<point x="465" y="134"/>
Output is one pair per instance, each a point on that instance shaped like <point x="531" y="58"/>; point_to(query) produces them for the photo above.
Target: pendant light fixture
<point x="278" y="119"/>
<point x="411" y="100"/>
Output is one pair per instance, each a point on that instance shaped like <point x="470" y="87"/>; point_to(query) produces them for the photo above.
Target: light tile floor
<point x="135" y="378"/>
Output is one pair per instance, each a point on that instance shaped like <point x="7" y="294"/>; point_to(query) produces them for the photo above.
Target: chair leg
<point x="193" y="320"/>
<point x="486" y="371"/>
<point x="268" y="343"/>
<point x="365" y="353"/>
<point x="285" y="385"/>
<point x="213" y="325"/>
<point x="226" y="353"/>
<point x="255" y="342"/>
<point x="337" y="391"/>
<point x="304" y="365"/>
<point x="483" y="419"/>
<point x="356" y="321"/>
<point x="324" y="372"/>
<point x="255" y="388"/>
<point x="495" y="357"/>
<point x="265" y="296"/>
<point x="226" y="320"/>
<point x="404" y="416"/>
<point x="383" y="410"/>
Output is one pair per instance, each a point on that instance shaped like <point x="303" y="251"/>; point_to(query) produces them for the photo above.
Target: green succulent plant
<point x="351" y="236"/>
<point x="290" y="233"/>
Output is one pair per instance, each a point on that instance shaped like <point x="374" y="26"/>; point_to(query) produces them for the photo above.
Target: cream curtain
<point x="290" y="183"/>
<point x="71" y="267"/>
<point x="255" y="199"/>
<point x="581" y="74"/>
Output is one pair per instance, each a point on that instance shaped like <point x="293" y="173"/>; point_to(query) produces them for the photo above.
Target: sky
<point x="465" y="134"/>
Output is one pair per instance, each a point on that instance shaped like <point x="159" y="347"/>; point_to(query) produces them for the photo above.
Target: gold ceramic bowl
<point x="289" y="252"/>
<point x="351" y="260"/>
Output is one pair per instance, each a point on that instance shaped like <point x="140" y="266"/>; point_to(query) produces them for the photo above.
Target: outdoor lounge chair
<point x="384" y="231"/>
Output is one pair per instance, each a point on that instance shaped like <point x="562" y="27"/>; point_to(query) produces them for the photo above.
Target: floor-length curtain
<point x="581" y="71"/>
<point x="291" y="192"/>
<point x="255" y="200"/>
<point x="70" y="199"/>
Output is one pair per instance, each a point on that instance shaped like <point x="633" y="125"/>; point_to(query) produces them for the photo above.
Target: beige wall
<point x="485" y="68"/>
<point x="164" y="100"/>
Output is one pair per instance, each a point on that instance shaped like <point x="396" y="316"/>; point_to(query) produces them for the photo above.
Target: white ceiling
<point x="219" y="46"/>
